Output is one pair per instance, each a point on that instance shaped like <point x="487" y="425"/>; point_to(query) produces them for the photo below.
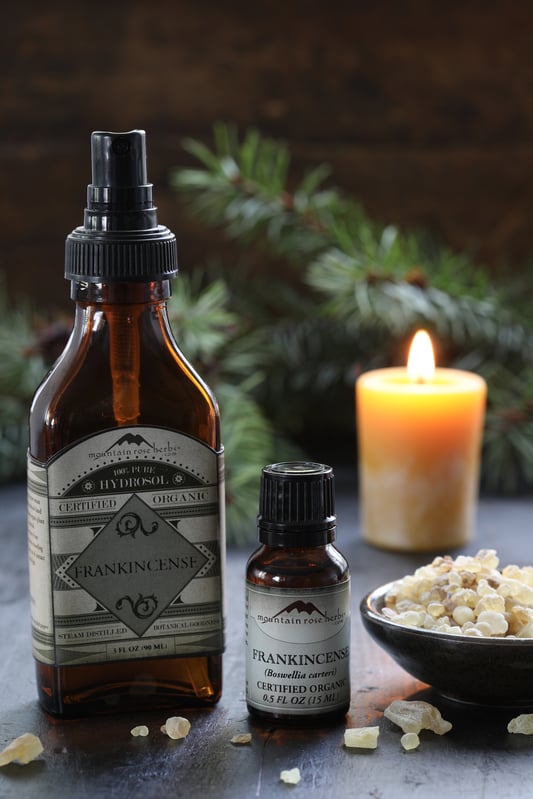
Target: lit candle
<point x="419" y="434"/>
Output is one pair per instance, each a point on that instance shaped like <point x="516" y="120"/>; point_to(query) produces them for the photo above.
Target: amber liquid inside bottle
<point x="297" y="568"/>
<point x="122" y="367"/>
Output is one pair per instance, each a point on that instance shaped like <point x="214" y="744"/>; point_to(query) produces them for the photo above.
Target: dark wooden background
<point x="424" y="109"/>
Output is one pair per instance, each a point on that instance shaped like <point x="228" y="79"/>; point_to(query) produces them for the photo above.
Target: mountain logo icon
<point x="301" y="607"/>
<point x="130" y="438"/>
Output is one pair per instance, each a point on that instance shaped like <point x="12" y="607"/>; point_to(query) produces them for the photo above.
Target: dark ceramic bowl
<point x="483" y="671"/>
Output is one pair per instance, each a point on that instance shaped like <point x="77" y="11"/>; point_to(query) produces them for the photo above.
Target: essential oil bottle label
<point x="298" y="649"/>
<point x="125" y="535"/>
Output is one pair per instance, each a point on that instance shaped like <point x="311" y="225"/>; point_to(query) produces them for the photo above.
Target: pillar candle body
<point x="419" y="451"/>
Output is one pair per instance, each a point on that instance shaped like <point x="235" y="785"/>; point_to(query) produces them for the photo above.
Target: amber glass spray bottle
<point x="125" y="473"/>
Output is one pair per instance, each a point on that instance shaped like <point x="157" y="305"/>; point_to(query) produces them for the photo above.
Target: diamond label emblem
<point x="136" y="565"/>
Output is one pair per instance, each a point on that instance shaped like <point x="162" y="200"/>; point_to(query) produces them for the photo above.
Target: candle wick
<point x="421" y="381"/>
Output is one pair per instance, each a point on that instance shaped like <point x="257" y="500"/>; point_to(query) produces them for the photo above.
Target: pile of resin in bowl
<point x="468" y="595"/>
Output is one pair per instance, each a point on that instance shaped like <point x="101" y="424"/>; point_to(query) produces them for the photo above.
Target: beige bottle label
<point x="125" y="540"/>
<point x="298" y="649"/>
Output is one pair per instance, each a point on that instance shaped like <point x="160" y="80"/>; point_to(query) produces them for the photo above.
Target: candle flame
<point x="421" y="361"/>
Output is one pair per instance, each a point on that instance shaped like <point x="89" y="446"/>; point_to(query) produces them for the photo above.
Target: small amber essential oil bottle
<point x="125" y="473"/>
<point x="297" y="601"/>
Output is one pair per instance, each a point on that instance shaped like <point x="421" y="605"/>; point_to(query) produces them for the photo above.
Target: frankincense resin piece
<point x="410" y="741"/>
<point x="416" y="715"/>
<point x="22" y="750"/>
<point x="140" y="731"/>
<point x="242" y="739"/>
<point x="361" y="738"/>
<point x="290" y="776"/>
<point x="176" y="727"/>
<point x="522" y="724"/>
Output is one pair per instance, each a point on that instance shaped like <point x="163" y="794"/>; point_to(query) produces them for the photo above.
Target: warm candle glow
<point x="419" y="437"/>
<point x="421" y="361"/>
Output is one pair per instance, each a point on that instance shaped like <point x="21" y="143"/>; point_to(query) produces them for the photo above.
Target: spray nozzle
<point x="119" y="159"/>
<point x="120" y="238"/>
<point x="119" y="197"/>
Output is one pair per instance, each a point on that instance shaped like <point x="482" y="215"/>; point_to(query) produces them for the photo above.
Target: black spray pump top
<point x="120" y="239"/>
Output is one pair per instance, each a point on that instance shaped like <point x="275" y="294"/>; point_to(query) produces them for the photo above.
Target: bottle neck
<point x="120" y="293"/>
<point x="123" y="318"/>
<point x="296" y="537"/>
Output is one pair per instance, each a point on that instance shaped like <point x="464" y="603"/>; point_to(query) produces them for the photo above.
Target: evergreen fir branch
<point x="372" y="282"/>
<point x="21" y="370"/>
<point x="13" y="449"/>
<point x="388" y="277"/>
<point x="210" y="336"/>
<point x="243" y="188"/>
<point x="508" y="439"/>
<point x="200" y="316"/>
<point x="386" y="253"/>
<point x="399" y="306"/>
<point x="249" y="444"/>
<point x="20" y="367"/>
